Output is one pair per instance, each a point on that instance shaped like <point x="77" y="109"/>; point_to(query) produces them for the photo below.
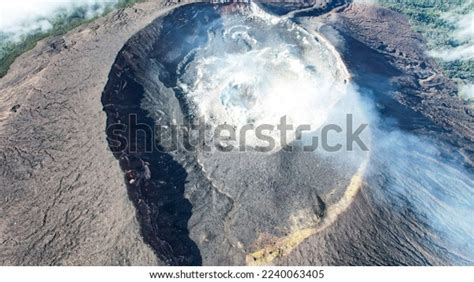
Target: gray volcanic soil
<point x="64" y="198"/>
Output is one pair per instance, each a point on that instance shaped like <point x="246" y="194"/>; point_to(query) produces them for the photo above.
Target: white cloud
<point x="370" y="2"/>
<point x="466" y="91"/>
<point x="21" y="17"/>
<point x="463" y="35"/>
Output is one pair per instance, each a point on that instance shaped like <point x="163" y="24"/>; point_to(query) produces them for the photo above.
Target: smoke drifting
<point x="266" y="64"/>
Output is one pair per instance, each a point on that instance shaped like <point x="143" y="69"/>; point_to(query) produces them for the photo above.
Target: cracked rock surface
<point x="63" y="198"/>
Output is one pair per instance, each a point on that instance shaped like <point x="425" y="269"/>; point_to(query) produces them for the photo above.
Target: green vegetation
<point x="426" y="17"/>
<point x="62" y="23"/>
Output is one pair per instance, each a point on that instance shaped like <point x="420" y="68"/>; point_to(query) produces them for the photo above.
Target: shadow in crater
<point x="155" y="181"/>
